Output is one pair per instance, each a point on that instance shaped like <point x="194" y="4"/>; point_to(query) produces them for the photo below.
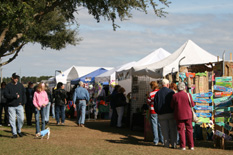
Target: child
<point x="40" y="100"/>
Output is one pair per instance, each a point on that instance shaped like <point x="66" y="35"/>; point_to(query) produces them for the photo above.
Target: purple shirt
<point x="181" y="106"/>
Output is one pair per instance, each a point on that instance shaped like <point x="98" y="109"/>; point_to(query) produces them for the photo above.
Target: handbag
<point x="195" y="118"/>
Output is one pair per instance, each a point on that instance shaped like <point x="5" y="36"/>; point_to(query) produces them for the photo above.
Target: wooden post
<point x="223" y="140"/>
<point x="230" y="56"/>
<point x="217" y="58"/>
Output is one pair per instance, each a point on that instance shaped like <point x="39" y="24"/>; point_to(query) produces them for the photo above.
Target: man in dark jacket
<point x="3" y="105"/>
<point x="16" y="98"/>
<point x="162" y="105"/>
<point x="29" y="107"/>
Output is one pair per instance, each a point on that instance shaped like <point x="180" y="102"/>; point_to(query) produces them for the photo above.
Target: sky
<point x="207" y="23"/>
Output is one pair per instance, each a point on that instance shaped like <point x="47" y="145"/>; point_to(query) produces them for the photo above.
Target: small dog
<point x="43" y="133"/>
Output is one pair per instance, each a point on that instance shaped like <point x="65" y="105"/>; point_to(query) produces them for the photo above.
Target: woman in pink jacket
<point x="40" y="100"/>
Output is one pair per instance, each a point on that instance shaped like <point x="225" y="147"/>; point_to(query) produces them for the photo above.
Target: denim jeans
<point x="120" y="113"/>
<point x="53" y="110"/>
<point x="19" y="113"/>
<point x="47" y="112"/>
<point x="39" y="113"/>
<point x="59" y="110"/>
<point x="169" y="129"/>
<point x="81" y="111"/>
<point x="156" y="128"/>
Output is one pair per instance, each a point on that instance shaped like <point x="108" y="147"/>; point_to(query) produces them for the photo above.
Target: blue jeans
<point x="53" y="110"/>
<point x="47" y="111"/>
<point x="59" y="109"/>
<point x="81" y="111"/>
<point x="156" y="128"/>
<point x="19" y="113"/>
<point x="39" y="113"/>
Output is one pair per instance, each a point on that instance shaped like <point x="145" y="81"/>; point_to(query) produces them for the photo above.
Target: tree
<point x="50" y="22"/>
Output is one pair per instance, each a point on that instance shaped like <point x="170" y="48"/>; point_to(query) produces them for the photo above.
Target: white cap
<point x="165" y="82"/>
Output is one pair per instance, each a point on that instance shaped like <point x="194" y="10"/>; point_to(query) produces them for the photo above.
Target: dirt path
<point x="96" y="138"/>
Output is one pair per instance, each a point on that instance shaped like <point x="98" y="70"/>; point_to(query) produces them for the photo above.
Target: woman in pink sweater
<point x="40" y="100"/>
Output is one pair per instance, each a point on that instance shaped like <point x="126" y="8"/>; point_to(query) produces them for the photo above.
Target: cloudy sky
<point x="208" y="23"/>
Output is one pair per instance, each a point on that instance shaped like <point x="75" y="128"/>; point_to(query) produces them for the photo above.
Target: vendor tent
<point x="73" y="73"/>
<point x="153" y="57"/>
<point x="188" y="54"/>
<point x="110" y="75"/>
<point x="89" y="78"/>
<point x="125" y="76"/>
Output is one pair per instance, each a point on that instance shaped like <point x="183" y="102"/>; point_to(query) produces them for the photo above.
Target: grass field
<point x="97" y="138"/>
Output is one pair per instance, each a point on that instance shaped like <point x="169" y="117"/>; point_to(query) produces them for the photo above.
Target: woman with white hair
<point x="182" y="112"/>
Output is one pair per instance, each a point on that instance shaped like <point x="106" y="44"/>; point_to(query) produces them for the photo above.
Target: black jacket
<point x="60" y="96"/>
<point x="120" y="100"/>
<point x="29" y="95"/>
<point x="11" y="94"/>
<point x="162" y="101"/>
<point x="2" y="99"/>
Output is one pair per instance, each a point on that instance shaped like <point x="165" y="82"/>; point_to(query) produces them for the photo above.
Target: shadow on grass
<point x="130" y="137"/>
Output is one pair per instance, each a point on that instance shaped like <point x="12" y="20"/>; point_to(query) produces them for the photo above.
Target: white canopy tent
<point x="191" y="53"/>
<point x="72" y="73"/>
<point x="153" y="57"/>
<point x="125" y="76"/>
<point x="110" y="76"/>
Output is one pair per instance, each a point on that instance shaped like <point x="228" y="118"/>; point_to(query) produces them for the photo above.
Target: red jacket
<point x="181" y="106"/>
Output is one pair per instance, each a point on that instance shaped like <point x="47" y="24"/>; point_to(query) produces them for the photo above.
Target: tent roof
<point x="74" y="72"/>
<point x="89" y="77"/>
<point x="155" y="56"/>
<point x="193" y="55"/>
<point x="118" y="68"/>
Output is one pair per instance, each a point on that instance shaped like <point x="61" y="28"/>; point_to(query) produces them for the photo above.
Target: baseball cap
<point x="15" y="76"/>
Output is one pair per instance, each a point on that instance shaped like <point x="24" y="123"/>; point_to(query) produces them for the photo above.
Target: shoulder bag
<point x="195" y="118"/>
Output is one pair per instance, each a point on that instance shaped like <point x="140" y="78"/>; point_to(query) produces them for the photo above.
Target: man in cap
<point x="15" y="94"/>
<point x="162" y="105"/>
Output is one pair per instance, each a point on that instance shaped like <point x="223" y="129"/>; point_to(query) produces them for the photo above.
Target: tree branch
<point x="3" y="34"/>
<point x="13" y="40"/>
<point x="50" y="8"/>
<point x="15" y="55"/>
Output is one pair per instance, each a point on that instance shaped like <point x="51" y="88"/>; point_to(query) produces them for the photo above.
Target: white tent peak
<point x="154" y="56"/>
<point x="191" y="51"/>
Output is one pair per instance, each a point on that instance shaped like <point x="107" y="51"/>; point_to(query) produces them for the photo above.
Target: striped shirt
<point x="150" y="101"/>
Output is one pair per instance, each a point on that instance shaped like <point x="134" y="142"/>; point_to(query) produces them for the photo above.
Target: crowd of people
<point x="171" y="116"/>
<point x="37" y="100"/>
<point x="169" y="107"/>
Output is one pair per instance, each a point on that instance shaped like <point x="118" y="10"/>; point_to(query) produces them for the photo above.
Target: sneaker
<point x="57" y="123"/>
<point x="192" y="148"/>
<point x="8" y="125"/>
<point x="62" y="123"/>
<point x="20" y="134"/>
<point x="14" y="136"/>
<point x="156" y="144"/>
<point x="183" y="149"/>
<point x="82" y="125"/>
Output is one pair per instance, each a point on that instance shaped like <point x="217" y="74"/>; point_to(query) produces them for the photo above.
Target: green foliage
<point x="48" y="22"/>
<point x="25" y="80"/>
